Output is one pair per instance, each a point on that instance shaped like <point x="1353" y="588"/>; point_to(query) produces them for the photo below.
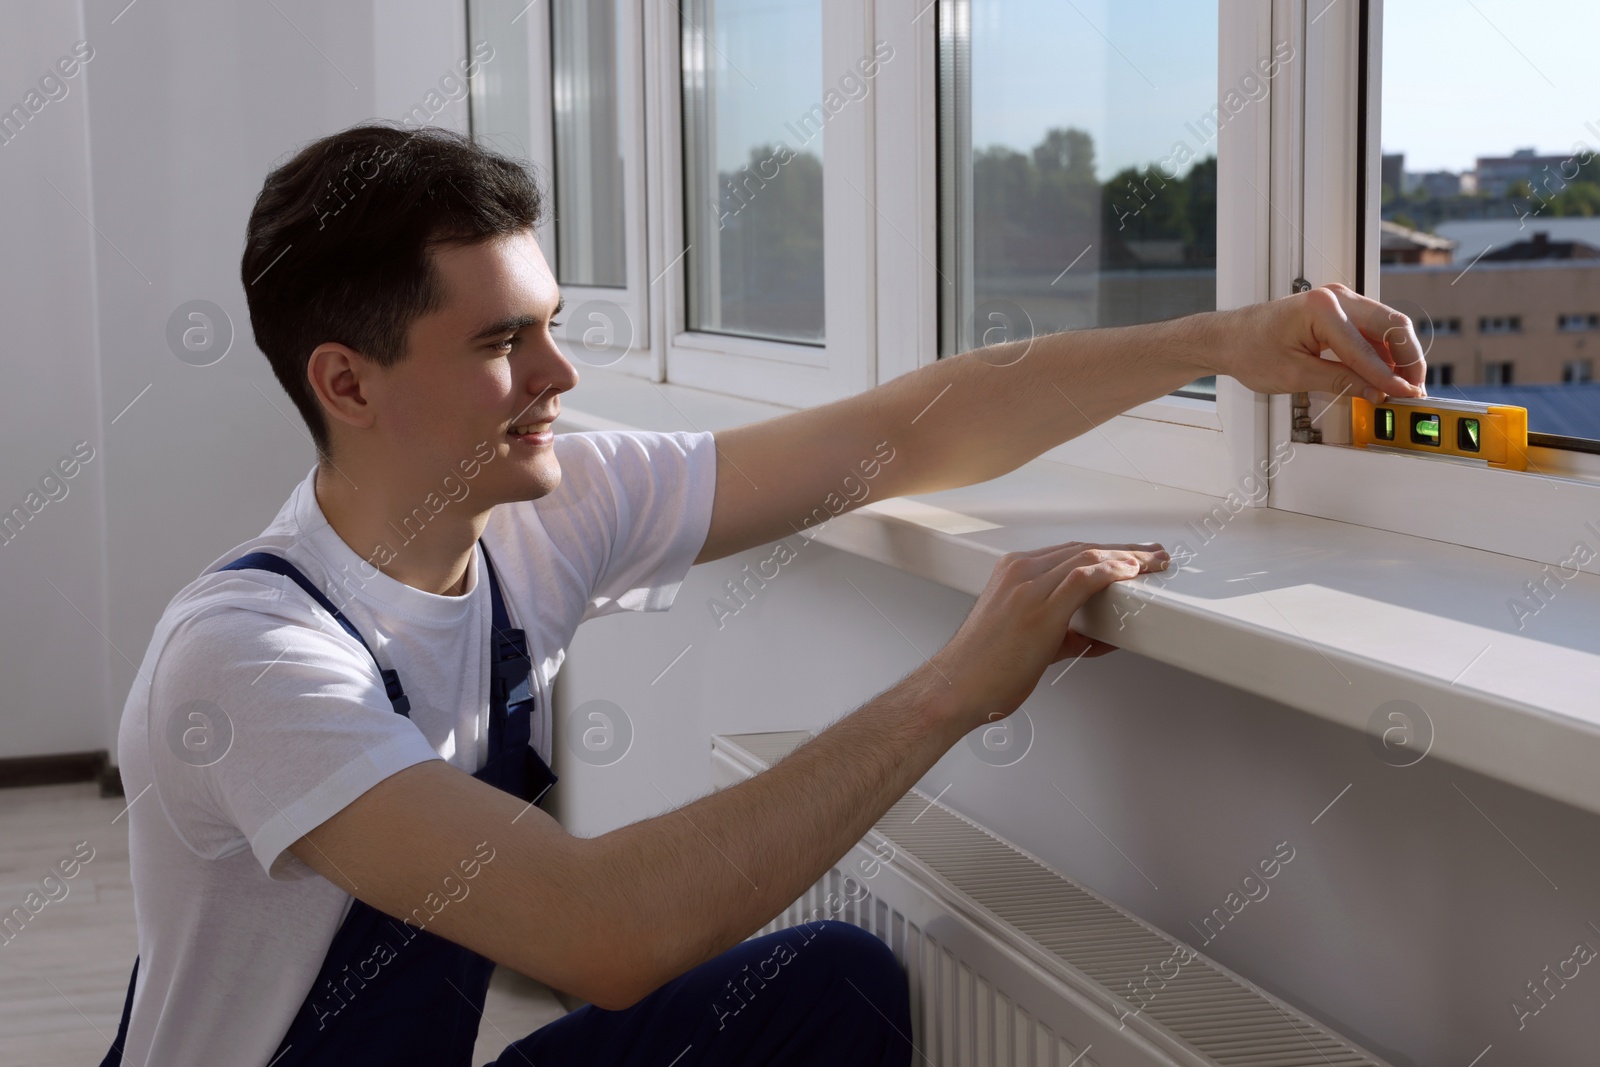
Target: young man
<point x="344" y="724"/>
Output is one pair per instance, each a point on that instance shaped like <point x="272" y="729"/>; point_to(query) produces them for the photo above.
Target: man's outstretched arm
<point x="613" y="917"/>
<point x="981" y="414"/>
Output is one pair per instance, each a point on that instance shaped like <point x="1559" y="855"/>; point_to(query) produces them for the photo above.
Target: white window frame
<point x="1174" y="441"/>
<point x="882" y="284"/>
<point x="592" y="337"/>
<point x="1539" y="515"/>
<point x="797" y="375"/>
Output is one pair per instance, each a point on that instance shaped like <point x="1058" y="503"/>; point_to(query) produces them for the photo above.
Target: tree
<point x="771" y="243"/>
<point x="1069" y="152"/>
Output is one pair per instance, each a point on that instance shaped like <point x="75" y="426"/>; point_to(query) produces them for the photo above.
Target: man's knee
<point x="860" y="968"/>
<point x="852" y="949"/>
<point x="867" y="1001"/>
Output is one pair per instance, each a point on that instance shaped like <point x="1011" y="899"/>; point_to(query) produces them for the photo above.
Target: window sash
<point x="799" y="375"/>
<point x="1176" y="441"/>
<point x="601" y="326"/>
<point x="1315" y="152"/>
<point x="588" y="180"/>
<point x="881" y="239"/>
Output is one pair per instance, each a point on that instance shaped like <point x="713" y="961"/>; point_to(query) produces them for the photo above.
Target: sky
<point x="766" y="61"/>
<point x="1036" y="64"/>
<point x="1131" y="74"/>
<point x="1463" y="79"/>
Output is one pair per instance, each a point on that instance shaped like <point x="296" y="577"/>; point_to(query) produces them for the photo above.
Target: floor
<point x="64" y="975"/>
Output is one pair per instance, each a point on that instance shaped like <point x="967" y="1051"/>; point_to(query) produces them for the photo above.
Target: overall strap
<point x="114" y="1057"/>
<point x="511" y="666"/>
<point x="266" y="561"/>
<point x="423" y="1005"/>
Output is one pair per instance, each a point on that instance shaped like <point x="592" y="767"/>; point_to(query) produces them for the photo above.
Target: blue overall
<point x="842" y="997"/>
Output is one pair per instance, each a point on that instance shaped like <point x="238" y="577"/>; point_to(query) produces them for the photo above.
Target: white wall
<point x="1405" y="920"/>
<point x="163" y="141"/>
<point x="54" y="665"/>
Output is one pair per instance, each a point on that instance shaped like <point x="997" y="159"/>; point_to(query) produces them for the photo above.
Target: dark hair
<point x="339" y="241"/>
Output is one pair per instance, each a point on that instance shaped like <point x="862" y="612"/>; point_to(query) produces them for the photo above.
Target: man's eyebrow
<point x="512" y="323"/>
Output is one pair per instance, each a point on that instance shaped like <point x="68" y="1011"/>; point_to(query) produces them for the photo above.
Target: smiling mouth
<point x="533" y="427"/>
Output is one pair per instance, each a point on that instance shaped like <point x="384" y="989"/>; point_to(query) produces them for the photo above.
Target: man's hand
<point x="1276" y="347"/>
<point x="1022" y="623"/>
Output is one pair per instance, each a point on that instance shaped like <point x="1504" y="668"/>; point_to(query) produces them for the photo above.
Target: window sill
<point x="1328" y="617"/>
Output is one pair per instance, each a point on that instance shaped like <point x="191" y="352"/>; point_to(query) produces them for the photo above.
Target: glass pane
<point x="499" y="73"/>
<point x="1491" y="202"/>
<point x="752" y="150"/>
<point x="1078" y="165"/>
<point x="588" y="172"/>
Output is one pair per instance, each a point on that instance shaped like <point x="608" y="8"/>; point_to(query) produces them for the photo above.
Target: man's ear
<point x="339" y="376"/>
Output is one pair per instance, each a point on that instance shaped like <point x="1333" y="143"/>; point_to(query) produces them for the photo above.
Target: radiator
<point x="1011" y="963"/>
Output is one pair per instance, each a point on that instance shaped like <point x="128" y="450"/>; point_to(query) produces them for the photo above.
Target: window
<point x="1450" y="327"/>
<point x="1488" y="187"/>
<point x="563" y="90"/>
<point x="782" y="233"/>
<point x="1497" y="372"/>
<point x="1463" y="242"/>
<point x="753" y="167"/>
<point x="1097" y="165"/>
<point x="590" y="207"/>
<point x="1577" y="371"/>
<point x="1078" y="165"/>
<point x="1440" y="374"/>
<point x="769" y="117"/>
<point x="501" y="107"/>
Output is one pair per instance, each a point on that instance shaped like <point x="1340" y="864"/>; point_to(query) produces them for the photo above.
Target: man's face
<point x="481" y="366"/>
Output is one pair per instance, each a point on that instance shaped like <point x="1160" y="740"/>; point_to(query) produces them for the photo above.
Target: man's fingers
<point x="1056" y="549"/>
<point x="1390" y="335"/>
<point x="1078" y="646"/>
<point x="1341" y="383"/>
<point x="1086" y="556"/>
<point x="1043" y="561"/>
<point x="1332" y="328"/>
<point x="1081" y="577"/>
<point x="1393" y="330"/>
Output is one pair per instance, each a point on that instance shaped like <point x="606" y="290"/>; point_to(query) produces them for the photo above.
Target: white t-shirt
<point x="232" y="926"/>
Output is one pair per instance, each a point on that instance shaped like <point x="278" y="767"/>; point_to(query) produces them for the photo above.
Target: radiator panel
<point x="1012" y="964"/>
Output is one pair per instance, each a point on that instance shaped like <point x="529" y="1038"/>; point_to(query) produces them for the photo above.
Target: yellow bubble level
<point x="1492" y="434"/>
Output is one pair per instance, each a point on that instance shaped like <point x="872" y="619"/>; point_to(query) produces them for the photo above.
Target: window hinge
<point x="1300" y="412"/>
<point x="1302" y="432"/>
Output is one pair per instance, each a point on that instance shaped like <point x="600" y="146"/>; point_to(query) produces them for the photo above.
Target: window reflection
<point x="589" y="201"/>
<point x="1078" y="164"/>
<point x="753" y="151"/>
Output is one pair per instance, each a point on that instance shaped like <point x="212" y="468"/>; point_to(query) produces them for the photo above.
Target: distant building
<point x="1401" y="244"/>
<point x="1437" y="183"/>
<point x="1473" y="236"/>
<point x="1497" y="174"/>
<point x="1503" y="322"/>
<point x="1392" y="171"/>
<point x="1539" y="246"/>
